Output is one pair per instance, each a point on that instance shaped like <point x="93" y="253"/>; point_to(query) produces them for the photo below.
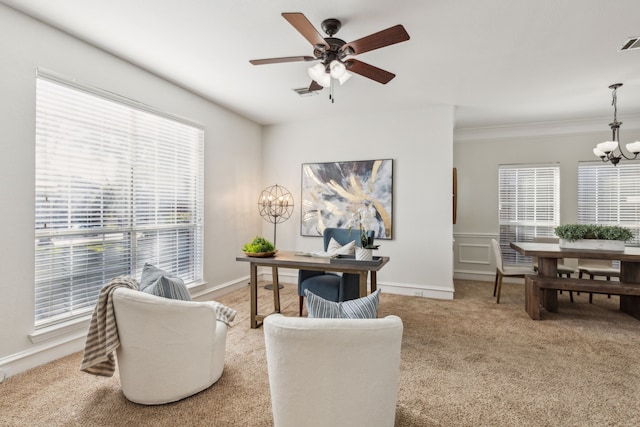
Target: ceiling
<point x="499" y="62"/>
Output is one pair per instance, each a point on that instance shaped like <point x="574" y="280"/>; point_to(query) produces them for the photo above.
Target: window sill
<point x="76" y="327"/>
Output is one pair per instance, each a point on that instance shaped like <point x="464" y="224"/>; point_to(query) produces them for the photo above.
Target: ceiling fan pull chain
<point x="331" y="97"/>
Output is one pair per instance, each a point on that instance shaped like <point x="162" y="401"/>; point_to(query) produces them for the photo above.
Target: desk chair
<point x="332" y="286"/>
<point x="502" y="271"/>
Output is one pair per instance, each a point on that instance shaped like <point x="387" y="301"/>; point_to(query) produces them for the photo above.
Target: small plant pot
<point x="363" y="254"/>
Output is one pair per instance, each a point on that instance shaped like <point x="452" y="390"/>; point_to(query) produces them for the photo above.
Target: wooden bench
<point x="542" y="291"/>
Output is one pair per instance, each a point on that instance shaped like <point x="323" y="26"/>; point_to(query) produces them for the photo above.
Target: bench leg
<point x="630" y="304"/>
<point x="550" y="299"/>
<point x="531" y="299"/>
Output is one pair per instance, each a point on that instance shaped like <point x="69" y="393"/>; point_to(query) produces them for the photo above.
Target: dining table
<point x="545" y="290"/>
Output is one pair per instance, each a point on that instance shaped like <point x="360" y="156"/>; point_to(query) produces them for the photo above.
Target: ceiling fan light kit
<point x="607" y="150"/>
<point x="332" y="52"/>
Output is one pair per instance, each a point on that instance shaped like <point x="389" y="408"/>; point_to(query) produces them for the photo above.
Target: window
<point x="528" y="205"/>
<point x="117" y="185"/>
<point x="610" y="195"/>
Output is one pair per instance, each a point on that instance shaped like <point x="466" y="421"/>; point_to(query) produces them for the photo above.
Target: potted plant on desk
<point x="593" y="237"/>
<point x="364" y="218"/>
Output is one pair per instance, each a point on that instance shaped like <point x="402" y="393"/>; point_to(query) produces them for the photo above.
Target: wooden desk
<point x="548" y="255"/>
<point x="290" y="260"/>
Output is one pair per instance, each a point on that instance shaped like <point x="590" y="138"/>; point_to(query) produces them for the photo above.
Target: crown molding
<point x="631" y="122"/>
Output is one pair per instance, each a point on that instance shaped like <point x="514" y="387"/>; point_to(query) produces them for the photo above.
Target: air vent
<point x="304" y="91"/>
<point x="632" y="43"/>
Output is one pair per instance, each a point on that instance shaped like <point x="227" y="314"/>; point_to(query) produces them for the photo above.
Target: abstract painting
<point x="333" y="192"/>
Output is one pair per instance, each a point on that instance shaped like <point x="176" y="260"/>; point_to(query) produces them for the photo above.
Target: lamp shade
<point x="634" y="147"/>
<point x="598" y="152"/>
<point x="316" y="71"/>
<point x="608" y="146"/>
<point x="318" y="74"/>
<point x="346" y="76"/>
<point x="337" y="69"/>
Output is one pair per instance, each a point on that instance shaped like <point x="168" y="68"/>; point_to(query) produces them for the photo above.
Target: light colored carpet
<point x="466" y="362"/>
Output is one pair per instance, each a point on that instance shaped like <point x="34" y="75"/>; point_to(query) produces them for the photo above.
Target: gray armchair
<point x="332" y="286"/>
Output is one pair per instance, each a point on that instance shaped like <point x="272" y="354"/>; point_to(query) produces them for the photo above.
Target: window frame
<point x="169" y="221"/>
<point x="610" y="195"/>
<point x="525" y="209"/>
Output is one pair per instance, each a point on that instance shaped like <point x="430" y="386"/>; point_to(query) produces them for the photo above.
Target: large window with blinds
<point x="610" y="195"/>
<point x="528" y="205"/>
<point x="118" y="185"/>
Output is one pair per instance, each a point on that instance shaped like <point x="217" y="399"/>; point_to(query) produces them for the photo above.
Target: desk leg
<point x="253" y="269"/>
<point x="374" y="281"/>
<point x="363" y="283"/>
<point x="276" y="289"/>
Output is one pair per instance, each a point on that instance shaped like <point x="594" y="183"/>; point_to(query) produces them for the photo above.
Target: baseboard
<point x="41" y="354"/>
<point x="425" y="291"/>
<point x="484" y="277"/>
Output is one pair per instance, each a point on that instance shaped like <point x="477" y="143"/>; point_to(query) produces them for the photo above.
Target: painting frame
<point x="332" y="193"/>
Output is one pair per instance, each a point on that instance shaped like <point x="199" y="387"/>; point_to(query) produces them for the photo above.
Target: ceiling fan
<point x="332" y="52"/>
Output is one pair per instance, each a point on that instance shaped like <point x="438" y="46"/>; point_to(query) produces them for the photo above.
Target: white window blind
<point x="528" y="205"/>
<point x="116" y="187"/>
<point x="609" y="195"/>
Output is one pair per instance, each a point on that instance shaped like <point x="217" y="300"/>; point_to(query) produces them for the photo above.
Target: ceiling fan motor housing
<point x="334" y="52"/>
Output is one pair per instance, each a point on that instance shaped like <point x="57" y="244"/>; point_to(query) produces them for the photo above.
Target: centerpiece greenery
<point x="258" y="245"/>
<point x="573" y="232"/>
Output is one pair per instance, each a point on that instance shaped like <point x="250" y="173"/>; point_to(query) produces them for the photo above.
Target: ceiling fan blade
<point x="284" y="59"/>
<point x="377" y="40"/>
<point x="314" y="86"/>
<point x="369" y="71"/>
<point x="304" y="27"/>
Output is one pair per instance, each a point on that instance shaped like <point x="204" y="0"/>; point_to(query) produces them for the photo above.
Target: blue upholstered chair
<point x="332" y="286"/>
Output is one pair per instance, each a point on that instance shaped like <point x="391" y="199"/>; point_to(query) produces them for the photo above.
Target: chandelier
<point x="607" y="150"/>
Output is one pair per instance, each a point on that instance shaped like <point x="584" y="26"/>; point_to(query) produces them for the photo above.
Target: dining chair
<point x="595" y="268"/>
<point x="505" y="271"/>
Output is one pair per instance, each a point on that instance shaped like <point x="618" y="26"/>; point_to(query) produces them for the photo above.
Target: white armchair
<point x="169" y="349"/>
<point x="333" y="372"/>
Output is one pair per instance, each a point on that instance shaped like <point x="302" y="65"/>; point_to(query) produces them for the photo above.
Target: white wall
<point x="477" y="159"/>
<point x="233" y="173"/>
<point x="421" y="249"/>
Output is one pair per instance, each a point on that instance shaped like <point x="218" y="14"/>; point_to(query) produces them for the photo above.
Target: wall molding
<point x="461" y="247"/>
<point x="569" y="127"/>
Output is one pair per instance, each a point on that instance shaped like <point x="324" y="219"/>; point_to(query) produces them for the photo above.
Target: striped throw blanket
<point x="102" y="338"/>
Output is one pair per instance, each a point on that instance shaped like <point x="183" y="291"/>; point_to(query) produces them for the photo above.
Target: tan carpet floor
<point x="466" y="362"/>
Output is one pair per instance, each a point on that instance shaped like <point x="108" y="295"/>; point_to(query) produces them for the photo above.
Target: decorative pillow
<point x="361" y="308"/>
<point x="158" y="282"/>
<point x="335" y="248"/>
